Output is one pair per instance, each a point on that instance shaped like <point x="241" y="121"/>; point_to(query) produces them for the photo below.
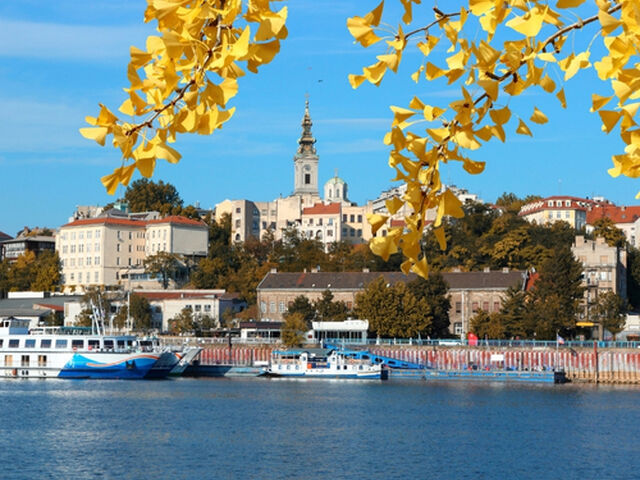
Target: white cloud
<point x="71" y="42"/>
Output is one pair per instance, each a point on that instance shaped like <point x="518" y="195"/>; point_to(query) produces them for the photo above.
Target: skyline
<point x="61" y="58"/>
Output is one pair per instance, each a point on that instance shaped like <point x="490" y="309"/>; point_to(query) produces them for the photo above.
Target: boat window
<point x="94" y="344"/>
<point x="77" y="343"/>
<point x="1" y="340"/>
<point x="42" y="360"/>
<point x="30" y="343"/>
<point x="8" y="360"/>
<point x="129" y="343"/>
<point x="13" y="343"/>
<point x="24" y="361"/>
<point x="61" y="343"/>
<point x="108" y="344"/>
<point x="120" y="343"/>
<point x="45" y="343"/>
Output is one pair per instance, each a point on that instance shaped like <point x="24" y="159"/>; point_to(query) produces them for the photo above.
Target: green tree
<point x="329" y="311"/>
<point x="183" y="322"/>
<point x="556" y="294"/>
<point x="164" y="265"/>
<point x="486" y="325"/>
<point x="609" y="311"/>
<point x="633" y="277"/>
<point x="294" y="330"/>
<point x="392" y="310"/>
<point x="203" y="324"/>
<point x="605" y="228"/>
<point x="303" y="306"/>
<point x="434" y="290"/>
<point x="140" y="312"/>
<point x="145" y="195"/>
<point x="513" y="313"/>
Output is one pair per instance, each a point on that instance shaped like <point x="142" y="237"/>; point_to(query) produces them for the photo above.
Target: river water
<point x="315" y="429"/>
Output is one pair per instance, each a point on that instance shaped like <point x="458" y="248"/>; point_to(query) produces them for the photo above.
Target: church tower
<point x="305" y="160"/>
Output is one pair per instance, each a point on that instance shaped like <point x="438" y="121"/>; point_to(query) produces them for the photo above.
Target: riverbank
<point x="608" y="366"/>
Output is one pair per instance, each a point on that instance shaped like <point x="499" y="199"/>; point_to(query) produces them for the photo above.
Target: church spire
<point x="306" y="142"/>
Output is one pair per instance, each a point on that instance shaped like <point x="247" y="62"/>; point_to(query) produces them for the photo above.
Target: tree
<point x="392" y="310"/>
<point x="609" y="312"/>
<point x="493" y="51"/>
<point x="329" y="311"/>
<point x="183" y="322"/>
<point x="556" y="294"/>
<point x="163" y="264"/>
<point x="605" y="228"/>
<point x="435" y="292"/>
<point x="145" y="195"/>
<point x="140" y="312"/>
<point x="487" y="325"/>
<point x="513" y="313"/>
<point x="633" y="277"/>
<point x="303" y="306"/>
<point x="47" y="272"/>
<point x="294" y="330"/>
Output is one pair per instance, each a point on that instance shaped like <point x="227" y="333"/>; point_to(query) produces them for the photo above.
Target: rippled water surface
<point x="285" y="429"/>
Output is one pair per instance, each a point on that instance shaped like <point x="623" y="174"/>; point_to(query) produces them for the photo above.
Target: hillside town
<point x="246" y="266"/>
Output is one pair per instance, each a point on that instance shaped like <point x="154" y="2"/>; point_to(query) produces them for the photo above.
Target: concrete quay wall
<point x="586" y="365"/>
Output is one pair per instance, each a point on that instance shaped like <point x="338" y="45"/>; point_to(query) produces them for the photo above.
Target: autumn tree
<point x="435" y="292"/>
<point x="609" y="312"/>
<point x="182" y="322"/>
<point x="328" y="310"/>
<point x="293" y="330"/>
<point x="304" y="307"/>
<point x="392" y="310"/>
<point x="605" y="228"/>
<point x="487" y="325"/>
<point x="165" y="265"/>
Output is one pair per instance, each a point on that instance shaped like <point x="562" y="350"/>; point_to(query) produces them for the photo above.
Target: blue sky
<point x="59" y="59"/>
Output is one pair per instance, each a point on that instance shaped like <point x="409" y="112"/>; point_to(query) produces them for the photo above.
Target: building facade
<point x="468" y="291"/>
<point x="572" y="210"/>
<point x="95" y="251"/>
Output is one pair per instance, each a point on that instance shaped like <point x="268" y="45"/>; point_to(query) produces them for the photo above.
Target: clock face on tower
<point x="307" y="168"/>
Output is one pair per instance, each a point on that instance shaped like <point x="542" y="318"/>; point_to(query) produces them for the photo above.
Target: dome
<point x="335" y="181"/>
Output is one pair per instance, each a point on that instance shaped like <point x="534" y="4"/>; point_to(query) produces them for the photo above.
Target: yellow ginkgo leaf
<point x="376" y="221"/>
<point x="609" y="119"/>
<point x="609" y="22"/>
<point x="530" y="23"/>
<point x="538" y="117"/>
<point x="569" y="3"/>
<point x="473" y="167"/>
<point x="500" y="116"/>
<point x="383" y="246"/>
<point x="406" y="266"/>
<point x="162" y="150"/>
<point x="362" y="31"/>
<point x="400" y="115"/>
<point x="356" y="80"/>
<point x="560" y="96"/>
<point x="597" y="102"/>
<point x="523" y="129"/>
<point x="450" y="205"/>
<point x="393" y="205"/>
<point x="98" y="134"/>
<point x="440" y="236"/>
<point x="432" y="72"/>
<point x="421" y="268"/>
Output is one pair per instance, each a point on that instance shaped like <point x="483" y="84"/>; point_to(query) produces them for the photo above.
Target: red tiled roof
<point x="616" y="214"/>
<point x="322" y="209"/>
<point x="57" y="308"/>
<point x="577" y="203"/>
<point x="106" y="221"/>
<point x="397" y="223"/>
<point x="178" y="219"/>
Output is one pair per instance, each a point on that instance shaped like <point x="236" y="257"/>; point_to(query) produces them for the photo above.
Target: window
<point x="272" y="307"/>
<point x="24" y="361"/>
<point x="238" y="210"/>
<point x="73" y="235"/>
<point x="108" y="344"/>
<point x="129" y="235"/>
<point x="344" y="217"/>
<point x="238" y="222"/>
<point x="307" y="179"/>
<point x="359" y="232"/>
<point x="359" y="218"/>
<point x="319" y="221"/>
<point x="45" y="343"/>
<point x="95" y="277"/>
<point x="14" y="342"/>
<point x="88" y="247"/>
<point x="458" y="307"/>
<point x="80" y="262"/>
<point x="79" y="277"/>
<point x="97" y="247"/>
<point x="88" y="261"/>
<point x="263" y="307"/>
<point x="88" y="235"/>
<point x="344" y="231"/>
<point x="330" y="221"/>
<point x="474" y="306"/>
<point x="567" y="203"/>
<point x="457" y="328"/>
<point x="61" y="343"/>
<point x="352" y="218"/>
<point x="117" y="260"/>
<point x="71" y="276"/>
<point x="550" y="203"/>
<point x="8" y="360"/>
<point x="496" y="306"/>
<point x="97" y="233"/>
<point x="65" y="249"/>
<point x="96" y="260"/>
<point x="30" y="343"/>
<point x="72" y="249"/>
<point x="329" y="233"/>
<point x="207" y="308"/>
<point x="80" y="235"/>
<point x="94" y="344"/>
<point x="75" y="344"/>
<point x="118" y="247"/>
<point x="42" y="360"/>
<point x="485" y="306"/>
<point x="129" y="248"/>
<point x="567" y="214"/>
<point x="281" y="307"/>
<point x="198" y="308"/>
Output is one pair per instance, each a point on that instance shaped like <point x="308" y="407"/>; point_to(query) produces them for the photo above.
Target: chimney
<point x="486" y="269"/>
<point x="365" y="270"/>
<point x="505" y="270"/>
<point x="273" y="270"/>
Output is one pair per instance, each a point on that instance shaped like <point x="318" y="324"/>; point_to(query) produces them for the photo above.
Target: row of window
<point x="558" y="203"/>
<point x="351" y="218"/>
<point x="475" y="306"/>
<point x="80" y="278"/>
<point x="81" y="235"/>
<point x="25" y="361"/>
<point x="71" y="262"/>
<point x="567" y="214"/>
<point x="199" y="308"/>
<point x="80" y="344"/>
<point x="80" y="248"/>
<point x="282" y="307"/>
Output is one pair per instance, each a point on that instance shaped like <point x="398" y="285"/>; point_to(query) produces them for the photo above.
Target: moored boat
<point x="77" y="352"/>
<point x="323" y="363"/>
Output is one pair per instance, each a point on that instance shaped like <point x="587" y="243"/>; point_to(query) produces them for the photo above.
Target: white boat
<point x="323" y="363"/>
<point x="77" y="352"/>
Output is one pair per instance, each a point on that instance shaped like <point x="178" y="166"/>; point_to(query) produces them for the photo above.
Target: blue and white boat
<point x="323" y="363"/>
<point x="76" y="352"/>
